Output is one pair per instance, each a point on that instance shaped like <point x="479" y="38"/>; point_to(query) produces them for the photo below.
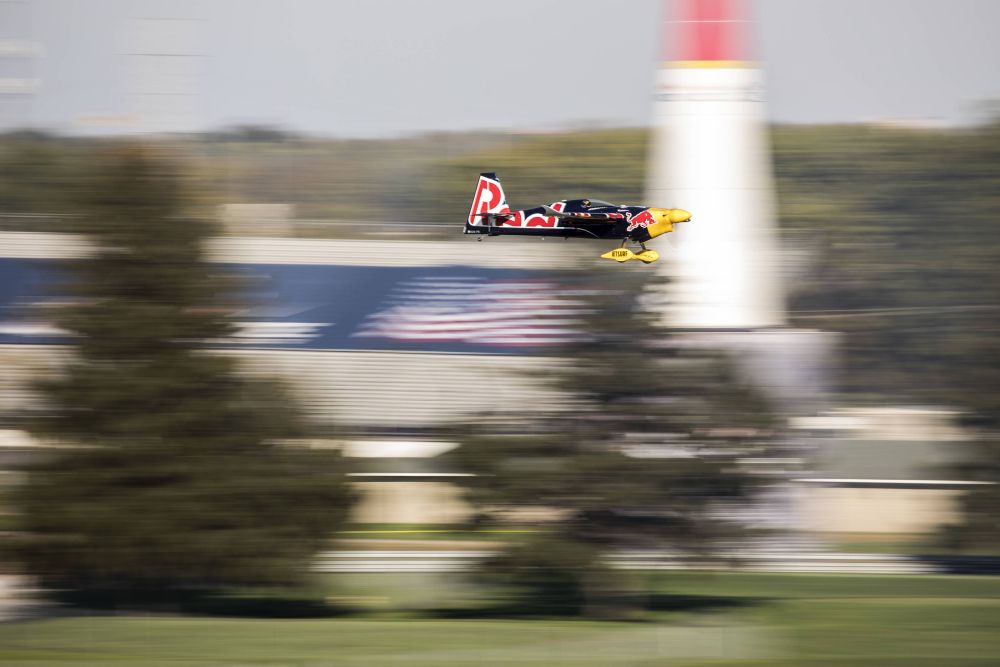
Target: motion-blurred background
<point x="250" y="366"/>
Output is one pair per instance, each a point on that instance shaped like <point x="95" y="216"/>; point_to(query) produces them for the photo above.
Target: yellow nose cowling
<point x="679" y="215"/>
<point x="665" y="220"/>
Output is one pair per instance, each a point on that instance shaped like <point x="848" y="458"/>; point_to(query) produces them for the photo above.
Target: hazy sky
<point x="379" y="67"/>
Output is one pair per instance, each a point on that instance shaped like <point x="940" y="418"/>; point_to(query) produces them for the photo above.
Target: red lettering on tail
<point x="488" y="199"/>
<point x="539" y="220"/>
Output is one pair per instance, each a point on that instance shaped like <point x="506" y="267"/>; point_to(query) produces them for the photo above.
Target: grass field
<point x="723" y="619"/>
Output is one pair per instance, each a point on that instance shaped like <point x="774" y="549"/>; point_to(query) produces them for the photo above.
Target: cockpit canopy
<point x="579" y="205"/>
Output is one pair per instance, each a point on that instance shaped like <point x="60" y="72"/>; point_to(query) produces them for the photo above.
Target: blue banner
<point x="309" y="306"/>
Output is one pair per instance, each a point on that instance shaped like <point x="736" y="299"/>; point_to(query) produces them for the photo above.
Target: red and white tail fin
<point x="489" y="198"/>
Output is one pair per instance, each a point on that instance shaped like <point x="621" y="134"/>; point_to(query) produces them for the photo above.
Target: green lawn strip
<point x="881" y="631"/>
<point x="155" y="641"/>
<point x="783" y="620"/>
<point x="866" y="620"/>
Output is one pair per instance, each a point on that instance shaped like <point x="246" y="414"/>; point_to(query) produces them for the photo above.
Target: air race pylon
<point x="710" y="154"/>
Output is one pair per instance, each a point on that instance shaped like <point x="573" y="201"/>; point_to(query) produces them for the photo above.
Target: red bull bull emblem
<point x="644" y="219"/>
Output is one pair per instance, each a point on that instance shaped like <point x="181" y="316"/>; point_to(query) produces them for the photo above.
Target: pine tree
<point x="643" y="453"/>
<point x="176" y="478"/>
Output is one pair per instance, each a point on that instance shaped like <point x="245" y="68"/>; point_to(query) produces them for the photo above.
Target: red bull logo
<point x="644" y="220"/>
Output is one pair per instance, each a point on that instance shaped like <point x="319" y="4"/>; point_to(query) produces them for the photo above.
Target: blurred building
<point x="385" y="342"/>
<point x="381" y="342"/>
<point x="882" y="471"/>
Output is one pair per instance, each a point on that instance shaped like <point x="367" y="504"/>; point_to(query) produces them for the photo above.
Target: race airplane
<point x="587" y="218"/>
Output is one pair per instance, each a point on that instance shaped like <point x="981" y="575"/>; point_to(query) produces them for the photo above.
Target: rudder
<point x="489" y="198"/>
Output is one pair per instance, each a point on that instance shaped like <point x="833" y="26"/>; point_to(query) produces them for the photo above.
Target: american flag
<point x="477" y="311"/>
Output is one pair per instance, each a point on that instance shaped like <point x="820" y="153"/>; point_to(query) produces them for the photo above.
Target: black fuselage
<point x="537" y="221"/>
